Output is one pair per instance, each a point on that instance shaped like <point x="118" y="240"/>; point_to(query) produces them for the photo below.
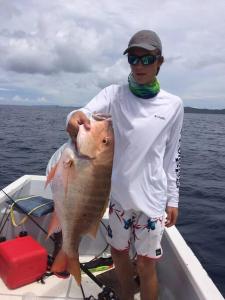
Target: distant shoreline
<point x="187" y="109"/>
<point x="203" y="111"/>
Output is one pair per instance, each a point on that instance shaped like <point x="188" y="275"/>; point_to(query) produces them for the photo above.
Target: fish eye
<point x="106" y="141"/>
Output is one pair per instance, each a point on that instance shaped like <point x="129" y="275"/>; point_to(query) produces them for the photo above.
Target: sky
<point x="63" y="52"/>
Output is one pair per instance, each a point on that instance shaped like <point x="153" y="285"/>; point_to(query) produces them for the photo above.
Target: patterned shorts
<point x="127" y="226"/>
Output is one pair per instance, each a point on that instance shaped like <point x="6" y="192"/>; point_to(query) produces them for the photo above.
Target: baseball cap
<point x="146" y="39"/>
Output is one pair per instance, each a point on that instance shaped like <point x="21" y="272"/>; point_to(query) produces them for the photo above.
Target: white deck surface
<point x="55" y="288"/>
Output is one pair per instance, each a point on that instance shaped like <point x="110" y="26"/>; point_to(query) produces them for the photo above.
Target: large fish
<point x="80" y="183"/>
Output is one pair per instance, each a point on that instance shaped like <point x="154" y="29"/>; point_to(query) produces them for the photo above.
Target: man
<point x="147" y="123"/>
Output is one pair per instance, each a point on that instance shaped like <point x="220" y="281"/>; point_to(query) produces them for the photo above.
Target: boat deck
<point x="181" y="276"/>
<point x="56" y="288"/>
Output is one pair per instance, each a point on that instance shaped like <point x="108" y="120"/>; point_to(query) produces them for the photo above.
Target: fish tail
<point x="73" y="266"/>
<point x="60" y="262"/>
<point x="63" y="263"/>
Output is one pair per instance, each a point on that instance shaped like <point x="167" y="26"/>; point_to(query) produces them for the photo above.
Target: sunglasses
<point x="145" y="59"/>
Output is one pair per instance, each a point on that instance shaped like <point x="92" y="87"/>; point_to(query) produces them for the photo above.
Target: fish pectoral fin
<point x="69" y="173"/>
<point x="60" y="262"/>
<point x="104" y="209"/>
<point x="73" y="266"/>
<point x="54" y="224"/>
<point x="51" y="175"/>
<point x="68" y="163"/>
<point x="92" y="232"/>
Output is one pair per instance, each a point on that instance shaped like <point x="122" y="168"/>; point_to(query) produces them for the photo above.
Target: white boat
<point x="181" y="275"/>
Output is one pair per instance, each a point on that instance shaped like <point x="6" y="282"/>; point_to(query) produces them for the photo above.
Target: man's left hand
<point x="172" y="214"/>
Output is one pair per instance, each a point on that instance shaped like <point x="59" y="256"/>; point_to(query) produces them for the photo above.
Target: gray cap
<point x="146" y="39"/>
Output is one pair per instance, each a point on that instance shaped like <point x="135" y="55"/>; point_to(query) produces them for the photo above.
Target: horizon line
<point x="60" y="105"/>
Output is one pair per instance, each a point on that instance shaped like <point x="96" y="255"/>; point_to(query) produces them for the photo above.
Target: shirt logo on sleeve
<point x="178" y="161"/>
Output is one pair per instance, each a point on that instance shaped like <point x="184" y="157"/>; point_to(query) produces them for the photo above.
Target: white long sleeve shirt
<point x="146" y="164"/>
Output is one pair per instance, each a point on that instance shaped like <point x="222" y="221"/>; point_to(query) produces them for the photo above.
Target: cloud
<point x="4" y="89"/>
<point x="8" y="10"/>
<point x="66" y="51"/>
<point x="60" y="42"/>
<point x="117" y="72"/>
<point x="18" y="98"/>
<point x="209" y="60"/>
<point x="172" y="59"/>
<point x="25" y="100"/>
<point x="30" y="54"/>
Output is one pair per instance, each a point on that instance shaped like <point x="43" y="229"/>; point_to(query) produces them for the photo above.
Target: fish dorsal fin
<point x="51" y="175"/>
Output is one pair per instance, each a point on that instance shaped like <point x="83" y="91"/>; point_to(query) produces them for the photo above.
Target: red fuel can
<point x="22" y="261"/>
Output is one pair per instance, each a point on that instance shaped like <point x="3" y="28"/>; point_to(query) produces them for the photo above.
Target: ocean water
<point x="30" y="135"/>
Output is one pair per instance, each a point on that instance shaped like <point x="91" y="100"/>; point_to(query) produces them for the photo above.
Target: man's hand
<point x="172" y="214"/>
<point x="77" y="119"/>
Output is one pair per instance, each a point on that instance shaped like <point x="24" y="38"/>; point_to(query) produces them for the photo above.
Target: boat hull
<point x="181" y="275"/>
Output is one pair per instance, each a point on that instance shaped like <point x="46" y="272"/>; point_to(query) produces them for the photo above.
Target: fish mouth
<point x="85" y="157"/>
<point x="79" y="154"/>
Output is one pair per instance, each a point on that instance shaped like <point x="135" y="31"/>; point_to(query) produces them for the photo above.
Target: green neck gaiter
<point x="145" y="91"/>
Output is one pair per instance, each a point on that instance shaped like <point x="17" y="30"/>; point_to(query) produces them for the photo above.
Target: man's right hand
<point x="78" y="118"/>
